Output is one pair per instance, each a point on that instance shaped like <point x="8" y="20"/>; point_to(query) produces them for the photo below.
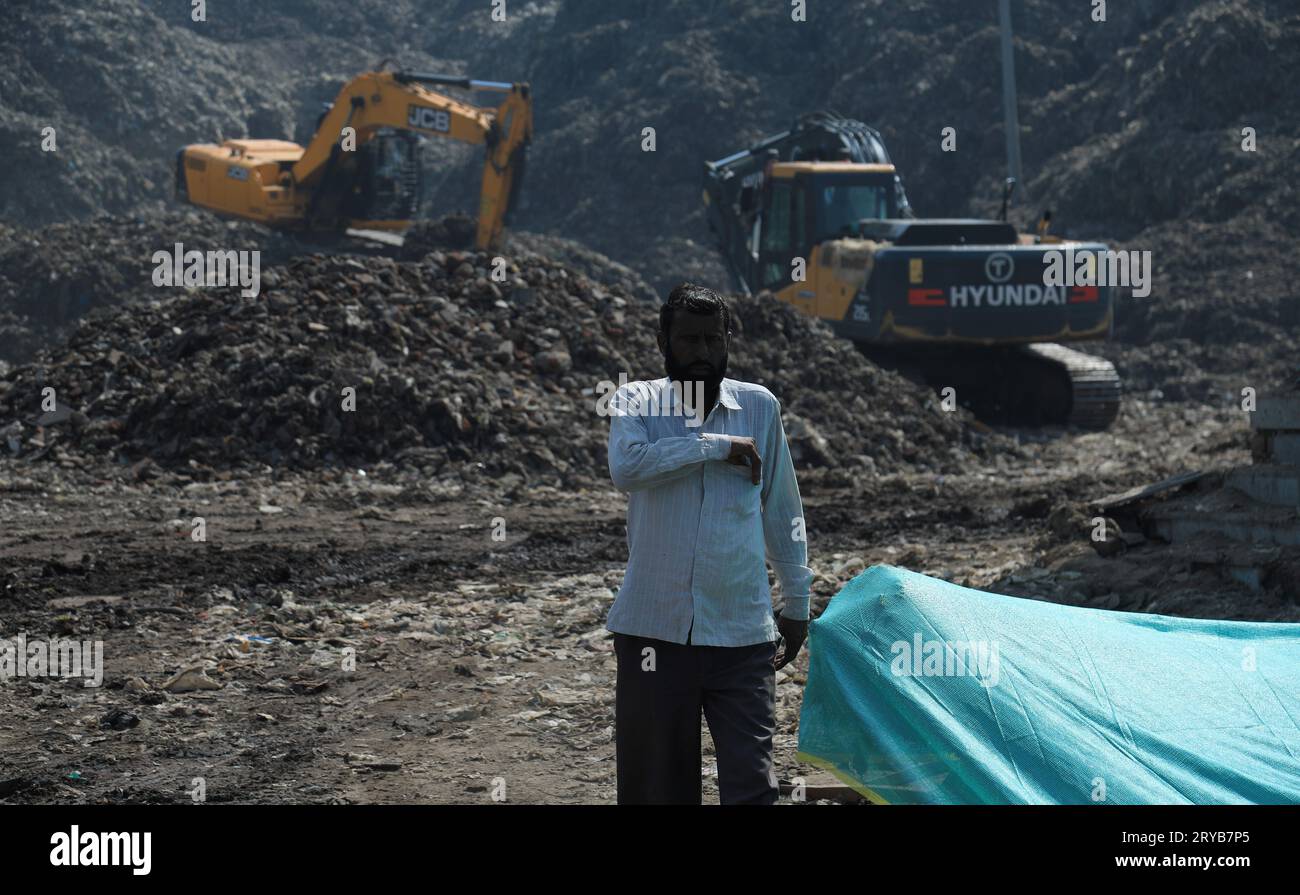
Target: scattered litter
<point x="190" y="679"/>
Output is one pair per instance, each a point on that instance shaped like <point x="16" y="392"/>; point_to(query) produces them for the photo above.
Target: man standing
<point x="711" y="485"/>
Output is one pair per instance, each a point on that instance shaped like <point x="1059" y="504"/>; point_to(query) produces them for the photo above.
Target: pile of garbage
<point x="51" y="276"/>
<point x="432" y="364"/>
<point x="579" y="257"/>
<point x="1097" y="102"/>
<point x="457" y="231"/>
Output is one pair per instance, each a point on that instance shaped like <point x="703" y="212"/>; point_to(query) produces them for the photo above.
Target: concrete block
<point x="1245" y="528"/>
<point x="1275" y="485"/>
<point x="1277" y="412"/>
<point x="1284" y="449"/>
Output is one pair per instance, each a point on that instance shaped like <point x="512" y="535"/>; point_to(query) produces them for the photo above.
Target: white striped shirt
<point x="697" y="526"/>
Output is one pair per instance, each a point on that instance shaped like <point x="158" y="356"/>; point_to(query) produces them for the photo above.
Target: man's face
<point x="697" y="349"/>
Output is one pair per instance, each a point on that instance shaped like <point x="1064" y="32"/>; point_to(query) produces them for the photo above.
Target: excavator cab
<point x="842" y="201"/>
<point x="763" y="214"/>
<point x="807" y="203"/>
<point x="387" y="180"/>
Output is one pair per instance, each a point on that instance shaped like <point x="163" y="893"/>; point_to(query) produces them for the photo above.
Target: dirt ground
<point x="477" y="660"/>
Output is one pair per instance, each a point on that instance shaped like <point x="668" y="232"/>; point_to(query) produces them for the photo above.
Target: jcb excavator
<point x="817" y="215"/>
<point x="373" y="181"/>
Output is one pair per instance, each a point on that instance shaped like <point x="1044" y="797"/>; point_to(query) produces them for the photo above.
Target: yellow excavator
<point x="362" y="169"/>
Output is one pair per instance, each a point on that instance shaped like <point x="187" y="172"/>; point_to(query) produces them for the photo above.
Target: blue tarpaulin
<point x="924" y="692"/>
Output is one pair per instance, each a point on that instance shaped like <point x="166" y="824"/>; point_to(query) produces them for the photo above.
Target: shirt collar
<point x="726" y="394"/>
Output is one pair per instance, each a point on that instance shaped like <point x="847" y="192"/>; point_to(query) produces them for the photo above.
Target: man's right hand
<point x="744" y="452"/>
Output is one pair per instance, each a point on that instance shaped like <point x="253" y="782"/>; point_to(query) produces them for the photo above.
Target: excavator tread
<point x="1096" y="385"/>
<point x="1038" y="384"/>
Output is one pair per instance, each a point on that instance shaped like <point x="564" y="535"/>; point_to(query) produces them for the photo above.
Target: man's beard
<point x="695" y="386"/>
<point x="712" y="379"/>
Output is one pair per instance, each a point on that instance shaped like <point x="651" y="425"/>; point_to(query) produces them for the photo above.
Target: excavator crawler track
<point x="1095" y="387"/>
<point x="1042" y="384"/>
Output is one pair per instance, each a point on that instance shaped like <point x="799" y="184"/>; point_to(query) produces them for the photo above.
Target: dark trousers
<point x="657" y="721"/>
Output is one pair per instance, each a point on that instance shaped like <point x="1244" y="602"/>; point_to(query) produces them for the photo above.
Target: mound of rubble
<point x="51" y="276"/>
<point x="433" y="365"/>
<point x="457" y="231"/>
<point x="577" y="256"/>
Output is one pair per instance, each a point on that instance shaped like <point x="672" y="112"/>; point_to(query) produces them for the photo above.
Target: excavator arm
<point x="401" y="101"/>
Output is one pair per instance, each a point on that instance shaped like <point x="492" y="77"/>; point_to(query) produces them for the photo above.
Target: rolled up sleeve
<point x="636" y="463"/>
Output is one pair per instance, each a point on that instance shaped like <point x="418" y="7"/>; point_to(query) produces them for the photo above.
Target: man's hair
<point x="695" y="299"/>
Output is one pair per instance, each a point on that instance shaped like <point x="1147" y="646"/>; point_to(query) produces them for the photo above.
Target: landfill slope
<point x="1132" y="128"/>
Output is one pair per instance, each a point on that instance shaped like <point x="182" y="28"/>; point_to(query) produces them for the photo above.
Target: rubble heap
<point x="51" y="276"/>
<point x="450" y="372"/>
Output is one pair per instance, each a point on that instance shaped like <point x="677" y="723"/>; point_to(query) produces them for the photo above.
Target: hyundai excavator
<point x="817" y="216"/>
<point x="368" y="178"/>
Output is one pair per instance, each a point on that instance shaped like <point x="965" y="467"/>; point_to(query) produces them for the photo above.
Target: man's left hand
<point x="794" y="632"/>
